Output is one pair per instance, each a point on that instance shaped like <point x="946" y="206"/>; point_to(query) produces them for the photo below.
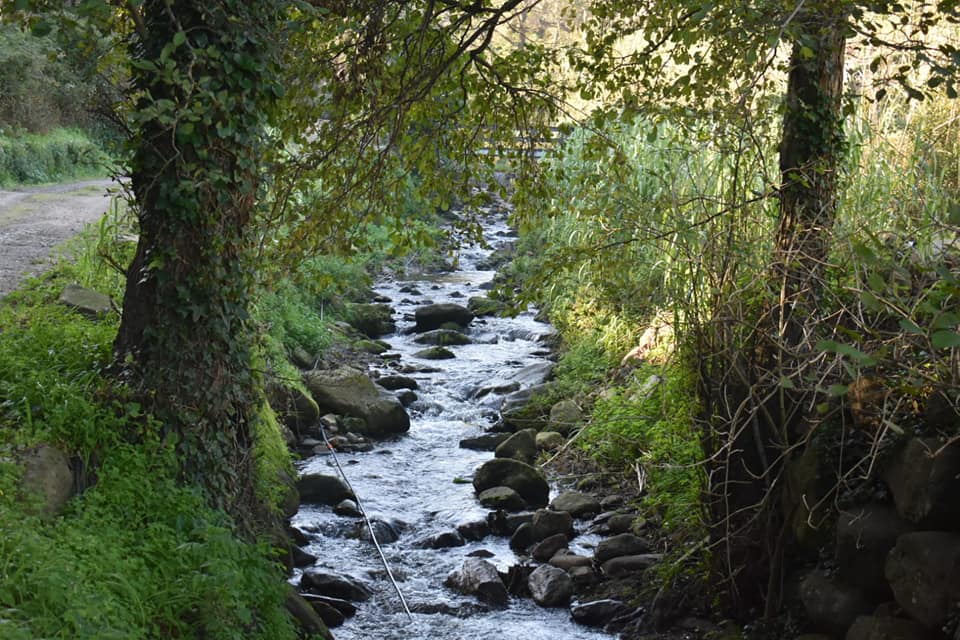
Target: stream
<point x="410" y="481"/>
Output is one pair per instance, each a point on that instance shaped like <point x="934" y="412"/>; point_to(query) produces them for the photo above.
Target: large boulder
<point x="523" y="409"/>
<point x="323" y="489"/>
<point x="351" y="392"/>
<point x="47" y="480"/>
<point x="550" y="586"/>
<point x="372" y="320"/>
<point x="479" y="578"/>
<point x="923" y="570"/>
<point x="520" y="446"/>
<point x="435" y="316"/>
<point x="832" y="606"/>
<point x="924" y="485"/>
<point x="865" y="535"/>
<point x="519" y="476"/>
<point x="550" y="441"/>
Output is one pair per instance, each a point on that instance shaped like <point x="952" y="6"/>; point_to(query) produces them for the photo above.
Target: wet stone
<point x="334" y="585"/>
<point x="444" y="540"/>
<point x="550" y="586"/>
<point x="502" y="498"/>
<point x="624" y="544"/>
<point x="623" y="566"/>
<point x="576" y="503"/>
<point x="546" y="548"/>
<point x="597" y="613"/>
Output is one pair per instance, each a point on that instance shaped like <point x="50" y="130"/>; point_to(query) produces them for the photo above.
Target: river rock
<point x="924" y="486"/>
<point x="318" y="487"/>
<point x="347" y="508"/>
<point x="435" y="353"/>
<point x="443" y="338"/>
<point x="334" y="585"/>
<point x="47" y="480"/>
<point x="597" y="613"/>
<point x="301" y="558"/>
<point x="546" y="523"/>
<point x="474" y="530"/>
<point x="522" y="538"/>
<point x="620" y="523"/>
<point x="624" y="544"/>
<point x="502" y="498"/>
<point x="550" y="441"/>
<point x="386" y="532"/>
<point x="577" y="504"/>
<point x="406" y="397"/>
<point x="520" y="410"/>
<point x="535" y="374"/>
<point x="623" y="566"/>
<point x="567" y="560"/>
<point x="520" y="446"/>
<point x="444" y="540"/>
<point x="550" y="586"/>
<point x="832" y="606"/>
<point x="583" y="576"/>
<point x="479" y="578"/>
<point x="92" y="304"/>
<point x="373" y="347"/>
<point x="546" y="548"/>
<point x="497" y="387"/>
<point x="397" y="382"/>
<point x="351" y="392"/>
<point x="565" y="417"/>
<point x="330" y="615"/>
<point x="923" y="570"/>
<point x="521" y="477"/>
<point x="372" y="320"/>
<point x="306" y="617"/>
<point x="434" y="316"/>
<point x="865" y="535"/>
<point x="485" y="442"/>
<point x="345" y="607"/>
<point x="876" y="628"/>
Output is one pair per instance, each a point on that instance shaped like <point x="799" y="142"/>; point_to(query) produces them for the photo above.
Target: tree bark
<point x="203" y="74"/>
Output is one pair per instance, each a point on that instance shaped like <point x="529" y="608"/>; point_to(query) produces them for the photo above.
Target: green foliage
<point x="649" y="421"/>
<point x="41" y="84"/>
<point x="58" y="155"/>
<point x="138" y="555"/>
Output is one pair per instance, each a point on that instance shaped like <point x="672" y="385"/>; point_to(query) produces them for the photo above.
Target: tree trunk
<point x="753" y="445"/>
<point x="203" y="74"/>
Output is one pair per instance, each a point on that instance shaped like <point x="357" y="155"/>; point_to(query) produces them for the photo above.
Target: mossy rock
<point x="435" y="353"/>
<point x="372" y="320"/>
<point x="443" y="338"/>
<point x="375" y="347"/>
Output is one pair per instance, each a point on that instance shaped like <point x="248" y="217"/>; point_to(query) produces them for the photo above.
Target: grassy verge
<point x="62" y="154"/>
<point x="137" y="554"/>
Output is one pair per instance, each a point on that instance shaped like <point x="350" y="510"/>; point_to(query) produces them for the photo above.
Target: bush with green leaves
<point x="58" y="155"/>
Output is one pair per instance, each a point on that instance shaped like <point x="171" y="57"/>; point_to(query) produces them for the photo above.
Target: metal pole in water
<point x="363" y="512"/>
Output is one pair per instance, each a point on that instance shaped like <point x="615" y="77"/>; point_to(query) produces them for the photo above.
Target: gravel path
<point x="33" y="220"/>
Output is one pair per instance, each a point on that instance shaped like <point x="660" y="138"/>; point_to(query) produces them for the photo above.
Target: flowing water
<point x="411" y="480"/>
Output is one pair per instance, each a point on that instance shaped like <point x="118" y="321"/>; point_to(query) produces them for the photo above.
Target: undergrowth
<point x="137" y="554"/>
<point x="62" y="154"/>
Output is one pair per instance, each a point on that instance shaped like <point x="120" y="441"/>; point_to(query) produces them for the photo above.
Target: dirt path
<point x="33" y="220"/>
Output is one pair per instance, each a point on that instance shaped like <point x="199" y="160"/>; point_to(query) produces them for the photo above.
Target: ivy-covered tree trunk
<point x="203" y="77"/>
<point x="747" y="511"/>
